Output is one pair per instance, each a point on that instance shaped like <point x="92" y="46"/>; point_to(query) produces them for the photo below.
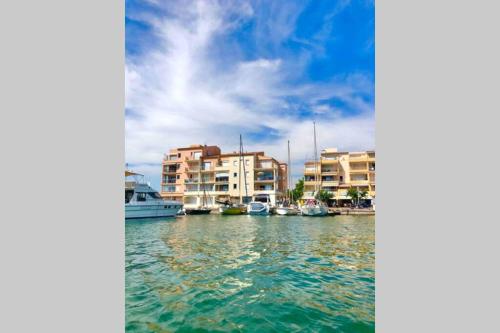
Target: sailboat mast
<point x="244" y="170"/>
<point x="239" y="174"/>
<point x="315" y="161"/>
<point x="289" y="171"/>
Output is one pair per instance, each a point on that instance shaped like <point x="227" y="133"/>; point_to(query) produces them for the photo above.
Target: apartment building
<point x="337" y="171"/>
<point x="190" y="173"/>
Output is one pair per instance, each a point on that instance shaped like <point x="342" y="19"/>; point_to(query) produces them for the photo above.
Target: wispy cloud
<point x="186" y="88"/>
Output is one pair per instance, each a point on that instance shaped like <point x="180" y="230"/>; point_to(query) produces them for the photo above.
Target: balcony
<point x="222" y="180"/>
<point x="359" y="181"/>
<point x="170" y="158"/>
<point x="191" y="181"/>
<point x="192" y="159"/>
<point x="361" y="159"/>
<point x="357" y="171"/>
<point x="310" y="171"/>
<point x="220" y="167"/>
<point x="330" y="183"/>
<point x="192" y="170"/>
<point x="329" y="161"/>
<point x="264" y="180"/>
<point x="264" y="166"/>
<point x="329" y="171"/>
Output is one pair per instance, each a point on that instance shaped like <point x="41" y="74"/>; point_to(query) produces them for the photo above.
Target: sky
<point x="204" y="72"/>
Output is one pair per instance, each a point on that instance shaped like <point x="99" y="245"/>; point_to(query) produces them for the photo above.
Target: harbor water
<point x="213" y="273"/>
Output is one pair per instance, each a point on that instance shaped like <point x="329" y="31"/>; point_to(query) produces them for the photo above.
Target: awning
<point x="221" y="174"/>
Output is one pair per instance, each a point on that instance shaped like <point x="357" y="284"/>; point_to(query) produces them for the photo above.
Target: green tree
<point x="298" y="191"/>
<point x="324" y="195"/>
<point x="354" y="194"/>
<point x="362" y="194"/>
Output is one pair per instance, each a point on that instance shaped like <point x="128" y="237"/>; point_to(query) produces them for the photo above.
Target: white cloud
<point x="178" y="94"/>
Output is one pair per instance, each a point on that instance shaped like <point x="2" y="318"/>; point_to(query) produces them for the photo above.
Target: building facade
<point x="198" y="174"/>
<point x="336" y="172"/>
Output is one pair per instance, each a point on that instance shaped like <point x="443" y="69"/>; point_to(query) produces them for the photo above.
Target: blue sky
<point x="206" y="71"/>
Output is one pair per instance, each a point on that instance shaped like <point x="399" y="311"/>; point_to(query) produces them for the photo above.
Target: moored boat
<point x="198" y="211"/>
<point x="258" y="208"/>
<point x="290" y="210"/>
<point x="260" y="205"/>
<point x="142" y="201"/>
<point x="230" y="209"/>
<point x="286" y="208"/>
<point x="313" y="207"/>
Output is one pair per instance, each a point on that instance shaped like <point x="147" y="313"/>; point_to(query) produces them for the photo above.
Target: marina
<point x="250" y="274"/>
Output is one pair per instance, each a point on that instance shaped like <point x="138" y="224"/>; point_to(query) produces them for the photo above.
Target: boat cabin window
<point x="141" y="196"/>
<point x="128" y="195"/>
<point x="154" y="195"/>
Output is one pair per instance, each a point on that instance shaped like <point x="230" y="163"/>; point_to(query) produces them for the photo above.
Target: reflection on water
<point x="251" y="274"/>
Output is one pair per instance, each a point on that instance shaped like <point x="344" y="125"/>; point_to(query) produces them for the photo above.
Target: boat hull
<point x="232" y="210"/>
<point x="138" y="211"/>
<point x="286" y="211"/>
<point x="261" y="213"/>
<point x="314" y="211"/>
<point x="258" y="208"/>
<point x="198" y="211"/>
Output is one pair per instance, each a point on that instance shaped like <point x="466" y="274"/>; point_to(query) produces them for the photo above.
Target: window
<point x="154" y="195"/>
<point x="179" y="155"/>
<point x="235" y="163"/>
<point x="128" y="195"/>
<point x="235" y="174"/>
<point x="247" y="162"/>
<point x="225" y="163"/>
<point x="178" y="176"/>
<point x="235" y="186"/>
<point x="141" y="196"/>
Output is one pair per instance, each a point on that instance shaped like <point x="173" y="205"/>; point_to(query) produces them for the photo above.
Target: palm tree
<point x="363" y="194"/>
<point x="324" y="196"/>
<point x="354" y="194"/>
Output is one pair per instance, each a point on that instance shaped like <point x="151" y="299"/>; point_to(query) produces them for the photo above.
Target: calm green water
<point x="251" y="274"/>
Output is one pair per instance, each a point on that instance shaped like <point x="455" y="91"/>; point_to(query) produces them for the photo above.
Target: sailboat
<point x="287" y="207"/>
<point x="314" y="206"/>
<point x="203" y="209"/>
<point x="229" y="208"/>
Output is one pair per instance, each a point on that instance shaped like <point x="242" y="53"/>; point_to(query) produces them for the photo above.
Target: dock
<point x="351" y="211"/>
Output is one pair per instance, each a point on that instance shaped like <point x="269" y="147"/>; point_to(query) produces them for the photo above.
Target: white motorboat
<point x="142" y="201"/>
<point x="289" y="210"/>
<point x="313" y="207"/>
<point x="261" y="205"/>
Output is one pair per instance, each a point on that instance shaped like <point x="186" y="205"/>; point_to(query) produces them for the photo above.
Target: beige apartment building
<point x="337" y="171"/>
<point x="189" y="173"/>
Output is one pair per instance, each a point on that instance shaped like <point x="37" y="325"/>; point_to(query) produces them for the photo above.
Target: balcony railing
<point x="170" y="158"/>
<point x="264" y="166"/>
<point x="264" y="179"/>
